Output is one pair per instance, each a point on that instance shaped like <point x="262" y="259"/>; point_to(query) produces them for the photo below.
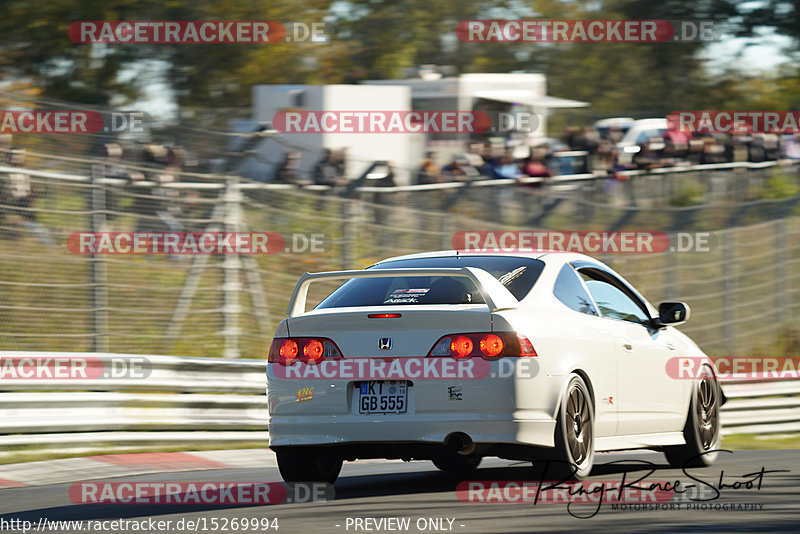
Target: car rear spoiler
<point x="495" y="294"/>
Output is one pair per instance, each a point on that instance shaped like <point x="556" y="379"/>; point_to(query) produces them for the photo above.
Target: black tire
<point x="573" y="456"/>
<point x="308" y="464"/>
<point x="703" y="429"/>
<point x="456" y="462"/>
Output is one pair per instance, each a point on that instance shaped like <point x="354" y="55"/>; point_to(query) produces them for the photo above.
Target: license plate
<point x="376" y="396"/>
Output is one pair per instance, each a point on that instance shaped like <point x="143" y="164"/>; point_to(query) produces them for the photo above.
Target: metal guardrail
<point x="481" y="181"/>
<point x="168" y="402"/>
<point x="761" y="407"/>
<point x="186" y="402"/>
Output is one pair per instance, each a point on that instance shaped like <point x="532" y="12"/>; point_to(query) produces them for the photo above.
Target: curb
<point x="115" y="465"/>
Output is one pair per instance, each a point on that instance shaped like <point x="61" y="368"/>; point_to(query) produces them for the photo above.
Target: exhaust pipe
<point x="460" y="443"/>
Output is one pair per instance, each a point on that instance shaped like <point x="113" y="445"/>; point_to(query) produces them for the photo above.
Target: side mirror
<point x="672" y="313"/>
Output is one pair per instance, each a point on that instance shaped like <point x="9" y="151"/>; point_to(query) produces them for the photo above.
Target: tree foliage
<point x="369" y="39"/>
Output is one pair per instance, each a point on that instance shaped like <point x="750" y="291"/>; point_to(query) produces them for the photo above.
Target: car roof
<point x="643" y="125"/>
<point x="615" y="122"/>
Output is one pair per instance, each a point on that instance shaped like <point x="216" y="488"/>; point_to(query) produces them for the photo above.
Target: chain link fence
<point x="743" y="289"/>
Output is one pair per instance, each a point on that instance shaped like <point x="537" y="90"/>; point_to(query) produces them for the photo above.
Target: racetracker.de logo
<point x="735" y="368"/>
<point x="69" y="367"/>
<point x="317" y="122"/>
<point x="193" y="243"/>
<point x="70" y="122"/>
<point x="199" y="493"/>
<point x="585" y="31"/>
<point x="728" y="122"/>
<point x="392" y="369"/>
<point x="56" y="122"/>
<point x="583" y="242"/>
<point x="234" y="493"/>
<point x="177" y="31"/>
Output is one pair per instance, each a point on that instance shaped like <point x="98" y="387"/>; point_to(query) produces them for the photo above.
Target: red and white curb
<point x="115" y="465"/>
<point x="118" y="465"/>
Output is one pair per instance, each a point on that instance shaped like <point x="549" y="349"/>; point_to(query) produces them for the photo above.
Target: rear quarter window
<point x="569" y="290"/>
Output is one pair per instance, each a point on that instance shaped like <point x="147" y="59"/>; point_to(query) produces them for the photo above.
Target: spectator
<point x="287" y="172"/>
<point x="325" y="171"/>
<point x="339" y="161"/>
<point x="455" y="170"/>
<point x="17" y="196"/>
<point x="534" y="164"/>
<point x="113" y="169"/>
<point x="427" y="172"/>
<point x="676" y="145"/>
<point x="158" y="206"/>
<point x="649" y="157"/>
<point x="790" y="146"/>
<point x="772" y="147"/>
<point x="505" y="169"/>
<point x="713" y="150"/>
<point x="17" y="187"/>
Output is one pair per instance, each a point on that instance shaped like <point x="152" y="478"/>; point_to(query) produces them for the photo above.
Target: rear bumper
<point x="515" y="405"/>
<point x="356" y="429"/>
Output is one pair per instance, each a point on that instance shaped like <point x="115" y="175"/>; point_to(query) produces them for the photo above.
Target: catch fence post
<point x="99" y="271"/>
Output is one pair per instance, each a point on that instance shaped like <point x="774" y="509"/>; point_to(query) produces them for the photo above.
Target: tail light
<point x="287" y="350"/>
<point x="488" y="345"/>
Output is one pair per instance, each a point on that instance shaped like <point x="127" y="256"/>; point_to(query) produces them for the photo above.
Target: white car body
<point x="636" y="403"/>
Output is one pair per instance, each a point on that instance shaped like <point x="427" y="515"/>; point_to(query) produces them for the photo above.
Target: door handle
<point x="628" y="347"/>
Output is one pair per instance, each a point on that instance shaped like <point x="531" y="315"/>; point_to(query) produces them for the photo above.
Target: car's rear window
<point x="517" y="274"/>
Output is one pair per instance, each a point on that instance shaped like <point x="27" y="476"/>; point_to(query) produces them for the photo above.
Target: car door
<point x="592" y="337"/>
<point x="649" y="400"/>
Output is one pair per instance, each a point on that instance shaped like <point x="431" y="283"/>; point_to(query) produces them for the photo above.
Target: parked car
<point x="612" y="127"/>
<point x="640" y="133"/>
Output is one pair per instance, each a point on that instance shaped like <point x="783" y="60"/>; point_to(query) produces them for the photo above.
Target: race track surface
<point x="426" y="498"/>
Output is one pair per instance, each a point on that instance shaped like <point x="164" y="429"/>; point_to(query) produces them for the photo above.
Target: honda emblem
<point x="385" y="343"/>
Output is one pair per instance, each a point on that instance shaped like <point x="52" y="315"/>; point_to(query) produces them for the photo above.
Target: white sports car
<point x="451" y="357"/>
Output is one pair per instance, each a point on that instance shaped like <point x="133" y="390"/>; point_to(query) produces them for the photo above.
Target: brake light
<point x="488" y="345"/>
<point x="384" y="315"/>
<point x="491" y="345"/>
<point x="311" y="350"/>
<point x="461" y="348"/>
<point x="288" y="351"/>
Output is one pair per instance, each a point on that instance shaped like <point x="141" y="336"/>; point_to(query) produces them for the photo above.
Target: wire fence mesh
<point x="743" y="289"/>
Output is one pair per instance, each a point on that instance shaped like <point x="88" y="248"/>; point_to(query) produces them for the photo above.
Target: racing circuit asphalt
<point x="418" y="490"/>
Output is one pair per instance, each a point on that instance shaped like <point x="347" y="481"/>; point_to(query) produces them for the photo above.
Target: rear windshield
<point x="517" y="274"/>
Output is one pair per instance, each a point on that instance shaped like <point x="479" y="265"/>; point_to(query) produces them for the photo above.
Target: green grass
<point x="742" y="442"/>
